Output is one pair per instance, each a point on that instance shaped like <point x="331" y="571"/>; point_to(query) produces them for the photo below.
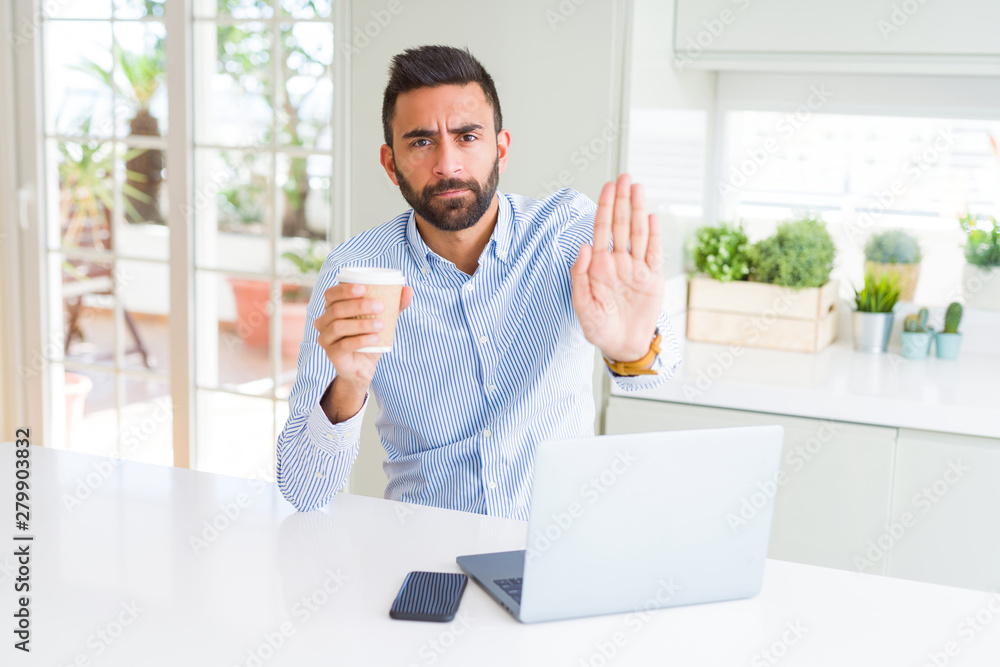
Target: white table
<point x="123" y="563"/>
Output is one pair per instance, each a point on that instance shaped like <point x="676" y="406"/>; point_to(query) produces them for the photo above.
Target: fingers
<point x="343" y="291"/>
<point x="621" y="221"/>
<point x="602" y="219"/>
<point x="654" y="251"/>
<point x="347" y="331"/>
<point x="582" y="295"/>
<point x="345" y="308"/>
<point x="351" y="344"/>
<point x="639" y="224"/>
<point x="405" y="298"/>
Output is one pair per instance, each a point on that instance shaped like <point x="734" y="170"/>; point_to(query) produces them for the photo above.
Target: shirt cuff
<point x="335" y="438"/>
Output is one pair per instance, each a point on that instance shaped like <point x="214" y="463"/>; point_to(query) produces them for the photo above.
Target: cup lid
<point x="371" y="276"/>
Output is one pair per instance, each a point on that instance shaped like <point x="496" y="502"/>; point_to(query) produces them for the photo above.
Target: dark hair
<point x="431" y="66"/>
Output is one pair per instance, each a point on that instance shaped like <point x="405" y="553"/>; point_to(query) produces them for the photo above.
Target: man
<point x="493" y="346"/>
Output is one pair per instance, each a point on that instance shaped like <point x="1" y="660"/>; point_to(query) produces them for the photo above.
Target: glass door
<point x="262" y="209"/>
<point x="105" y="125"/>
<point x="182" y="226"/>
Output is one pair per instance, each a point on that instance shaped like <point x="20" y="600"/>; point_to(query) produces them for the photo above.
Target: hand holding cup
<point x="360" y="321"/>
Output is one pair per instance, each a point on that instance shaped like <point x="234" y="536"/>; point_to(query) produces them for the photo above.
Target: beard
<point x="454" y="213"/>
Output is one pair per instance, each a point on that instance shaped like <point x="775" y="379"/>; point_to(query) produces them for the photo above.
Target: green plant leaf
<point x="799" y="254"/>
<point x="879" y="295"/>
<point x="894" y="246"/>
<point x="721" y="252"/>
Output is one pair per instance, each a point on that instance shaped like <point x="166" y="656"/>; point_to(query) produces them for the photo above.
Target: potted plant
<point x="948" y="341"/>
<point x="144" y="73"/>
<point x="916" y="336"/>
<point x="873" y="318"/>
<point x="254" y="306"/>
<point x="775" y="294"/>
<point x="981" y="280"/>
<point x="895" y="251"/>
<point x="308" y="263"/>
<point x="253" y="310"/>
<point x="799" y="254"/>
<point x="721" y="252"/>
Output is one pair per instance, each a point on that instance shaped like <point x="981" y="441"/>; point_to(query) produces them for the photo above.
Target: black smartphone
<point x="429" y="596"/>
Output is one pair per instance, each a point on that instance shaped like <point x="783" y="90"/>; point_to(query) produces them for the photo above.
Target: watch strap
<point x="639" y="366"/>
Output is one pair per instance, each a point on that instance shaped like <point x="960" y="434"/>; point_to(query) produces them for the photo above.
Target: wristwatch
<point x="639" y="366"/>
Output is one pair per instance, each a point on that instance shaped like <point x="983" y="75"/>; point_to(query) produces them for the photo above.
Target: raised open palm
<point x="617" y="295"/>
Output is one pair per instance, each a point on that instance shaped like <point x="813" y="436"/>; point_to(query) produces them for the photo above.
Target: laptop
<point x="623" y="523"/>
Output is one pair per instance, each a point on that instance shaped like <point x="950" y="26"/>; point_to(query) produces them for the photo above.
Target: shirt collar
<point x="500" y="239"/>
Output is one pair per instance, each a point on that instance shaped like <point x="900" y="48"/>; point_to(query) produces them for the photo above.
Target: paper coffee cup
<point x="386" y="285"/>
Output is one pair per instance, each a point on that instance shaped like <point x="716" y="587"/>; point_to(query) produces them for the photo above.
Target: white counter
<point x="135" y="574"/>
<point x="961" y="396"/>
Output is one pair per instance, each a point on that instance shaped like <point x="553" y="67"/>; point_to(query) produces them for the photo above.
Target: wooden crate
<point x="761" y="315"/>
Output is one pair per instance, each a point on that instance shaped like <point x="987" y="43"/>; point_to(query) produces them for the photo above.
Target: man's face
<point x="446" y="155"/>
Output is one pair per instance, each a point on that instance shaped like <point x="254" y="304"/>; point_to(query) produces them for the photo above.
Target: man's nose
<point x="448" y="162"/>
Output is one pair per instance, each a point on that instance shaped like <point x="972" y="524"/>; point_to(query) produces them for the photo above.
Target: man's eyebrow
<point x="424" y="133"/>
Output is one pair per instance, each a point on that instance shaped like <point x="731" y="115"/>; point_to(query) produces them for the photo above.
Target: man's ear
<point x="503" y="145"/>
<point x="388" y="162"/>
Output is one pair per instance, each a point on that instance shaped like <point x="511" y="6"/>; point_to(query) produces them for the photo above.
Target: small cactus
<point x="952" y="317"/>
<point x="916" y="322"/>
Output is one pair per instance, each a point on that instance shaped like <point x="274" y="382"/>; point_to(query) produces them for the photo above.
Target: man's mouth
<point x="450" y="193"/>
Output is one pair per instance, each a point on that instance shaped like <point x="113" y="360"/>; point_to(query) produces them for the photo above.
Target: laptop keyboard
<point x="511" y="587"/>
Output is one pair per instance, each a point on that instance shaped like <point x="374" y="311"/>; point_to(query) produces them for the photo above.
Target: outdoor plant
<point x="144" y="74"/>
<point x="894" y="246"/>
<point x="86" y="192"/>
<point x="982" y="246"/>
<point x="308" y="262"/>
<point x="242" y="201"/>
<point x="800" y="254"/>
<point x="721" y="252"/>
<point x="952" y="317"/>
<point x="917" y="322"/>
<point x="300" y="103"/>
<point x="879" y="295"/>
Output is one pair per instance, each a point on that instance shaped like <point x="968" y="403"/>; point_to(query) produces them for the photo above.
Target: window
<point x="105" y="125"/>
<point x="260" y="146"/>
<point x="863" y="165"/>
<point x="263" y="165"/>
<point x="864" y="174"/>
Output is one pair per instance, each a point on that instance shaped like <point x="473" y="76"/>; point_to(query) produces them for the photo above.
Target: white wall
<point x="559" y="77"/>
<point x="558" y="82"/>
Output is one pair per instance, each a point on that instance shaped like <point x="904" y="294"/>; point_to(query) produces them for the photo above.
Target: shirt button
<point x="492" y="485"/>
<point x="482" y="339"/>
<point x="468" y="286"/>
<point x="487" y="433"/>
<point x="425" y="269"/>
<point x="320" y="474"/>
<point x="492" y="387"/>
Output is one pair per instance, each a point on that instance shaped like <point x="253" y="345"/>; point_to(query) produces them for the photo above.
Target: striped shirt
<point x="483" y="367"/>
